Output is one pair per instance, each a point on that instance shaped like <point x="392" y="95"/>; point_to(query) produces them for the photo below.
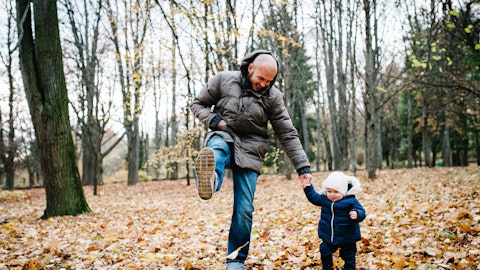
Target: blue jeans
<point x="244" y="185"/>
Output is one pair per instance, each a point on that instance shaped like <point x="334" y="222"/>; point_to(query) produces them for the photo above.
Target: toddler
<point x="341" y="214"/>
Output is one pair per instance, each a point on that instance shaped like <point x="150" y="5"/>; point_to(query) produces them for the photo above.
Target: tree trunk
<point x="427" y="151"/>
<point x="351" y="56"/>
<point x="446" y="149"/>
<point x="409" y="130"/>
<point x="173" y="174"/>
<point x="327" y="36"/>
<point x="341" y="156"/>
<point x="477" y="146"/>
<point x="9" y="151"/>
<point x="378" y="138"/>
<point x="370" y="97"/>
<point x="46" y="92"/>
<point x="133" y="138"/>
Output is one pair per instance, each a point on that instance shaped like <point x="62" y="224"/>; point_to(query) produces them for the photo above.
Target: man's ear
<point x="250" y="68"/>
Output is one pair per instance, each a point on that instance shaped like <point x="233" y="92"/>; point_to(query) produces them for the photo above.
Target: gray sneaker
<point x="205" y="171"/>
<point x="235" y="266"/>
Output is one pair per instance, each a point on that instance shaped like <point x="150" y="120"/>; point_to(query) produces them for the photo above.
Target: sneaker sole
<point x="205" y="168"/>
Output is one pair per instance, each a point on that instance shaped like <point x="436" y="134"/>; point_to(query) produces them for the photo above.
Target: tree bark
<point x="45" y="87"/>
<point x="370" y="96"/>
<point x="9" y="150"/>
<point x="409" y="130"/>
<point x="341" y="150"/>
<point x="173" y="174"/>
<point x="351" y="56"/>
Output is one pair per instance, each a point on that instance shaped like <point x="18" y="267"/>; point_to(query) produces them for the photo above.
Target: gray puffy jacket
<point x="229" y="96"/>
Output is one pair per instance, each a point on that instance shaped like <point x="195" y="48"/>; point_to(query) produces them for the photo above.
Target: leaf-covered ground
<point x="416" y="219"/>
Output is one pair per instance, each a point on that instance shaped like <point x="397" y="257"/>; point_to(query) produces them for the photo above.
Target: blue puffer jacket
<point x="336" y="215"/>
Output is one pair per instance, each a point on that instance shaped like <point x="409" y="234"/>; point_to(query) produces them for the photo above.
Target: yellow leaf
<point x="453" y="13"/>
<point x="137" y="77"/>
<point x="477" y="46"/>
<point x="380" y="88"/>
<point x="33" y="264"/>
<point x="449" y="61"/>
<point x="10" y="225"/>
<point x="450" y="25"/>
<point x="416" y="63"/>
<point x="150" y="257"/>
<point x="468" y="29"/>
<point x="399" y="263"/>
<point x="188" y="266"/>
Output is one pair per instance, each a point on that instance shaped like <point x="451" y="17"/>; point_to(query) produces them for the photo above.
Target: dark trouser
<point x="347" y="253"/>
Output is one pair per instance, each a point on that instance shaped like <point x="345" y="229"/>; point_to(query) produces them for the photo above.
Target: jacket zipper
<point x="331" y="221"/>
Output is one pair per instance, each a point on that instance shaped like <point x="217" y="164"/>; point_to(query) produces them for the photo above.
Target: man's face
<point x="260" y="76"/>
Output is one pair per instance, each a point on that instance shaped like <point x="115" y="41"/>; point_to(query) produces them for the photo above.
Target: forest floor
<point x="416" y="219"/>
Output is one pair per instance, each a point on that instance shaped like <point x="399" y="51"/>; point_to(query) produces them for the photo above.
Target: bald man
<point x="237" y="107"/>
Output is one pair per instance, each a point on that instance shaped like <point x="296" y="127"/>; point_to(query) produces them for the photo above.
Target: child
<point x="340" y="216"/>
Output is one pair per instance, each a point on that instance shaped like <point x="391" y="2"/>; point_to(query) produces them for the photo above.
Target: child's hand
<point x="353" y="214"/>
<point x="305" y="180"/>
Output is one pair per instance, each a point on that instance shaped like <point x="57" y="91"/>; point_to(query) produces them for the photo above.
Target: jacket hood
<point x="249" y="57"/>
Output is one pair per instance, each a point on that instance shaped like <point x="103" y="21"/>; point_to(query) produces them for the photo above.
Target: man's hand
<point x="221" y="123"/>
<point x="305" y="179"/>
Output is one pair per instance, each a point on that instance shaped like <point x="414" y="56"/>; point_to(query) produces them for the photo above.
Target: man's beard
<point x="249" y="81"/>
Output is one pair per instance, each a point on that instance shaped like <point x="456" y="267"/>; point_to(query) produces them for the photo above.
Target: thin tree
<point x="173" y="123"/>
<point x="128" y="37"/>
<point x="352" y="10"/>
<point x="85" y="32"/>
<point x="326" y="155"/>
<point x="370" y="97"/>
<point x="8" y="150"/>
<point x="280" y="34"/>
<point x="45" y="87"/>
<point x="340" y="134"/>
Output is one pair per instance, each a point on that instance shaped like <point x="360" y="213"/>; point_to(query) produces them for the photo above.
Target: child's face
<point x="334" y="195"/>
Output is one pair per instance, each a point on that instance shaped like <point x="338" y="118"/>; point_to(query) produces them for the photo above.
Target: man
<point x="237" y="106"/>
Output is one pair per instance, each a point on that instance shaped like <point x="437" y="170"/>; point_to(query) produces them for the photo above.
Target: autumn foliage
<point x="416" y="219"/>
